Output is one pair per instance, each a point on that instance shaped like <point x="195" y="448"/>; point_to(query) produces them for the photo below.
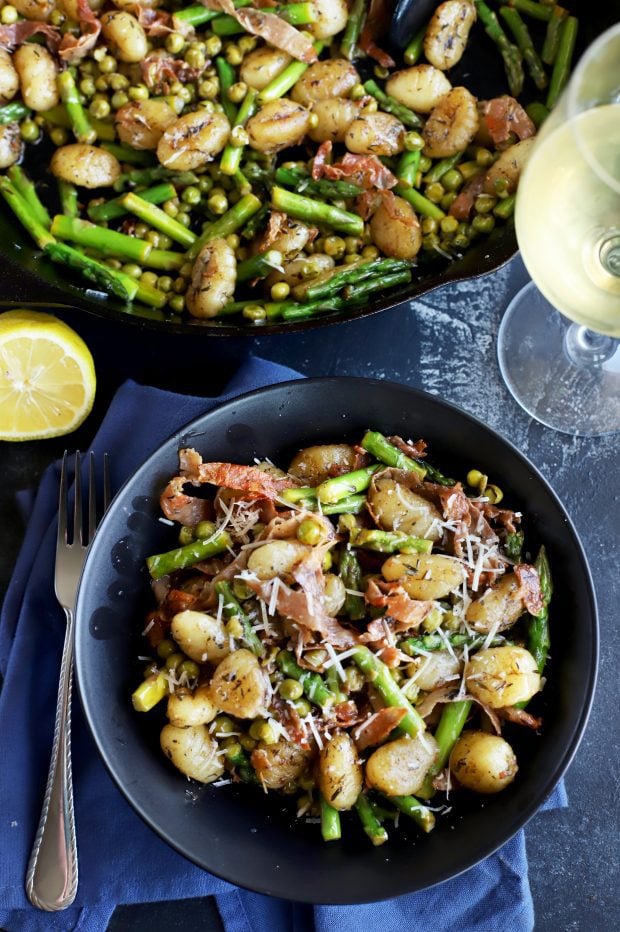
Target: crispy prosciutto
<point x="11" y="37"/>
<point x="74" y="48"/>
<point x="270" y="27"/>
<point x="503" y="118"/>
<point x="404" y="611"/>
<point x="530" y="587"/>
<point x="364" y="170"/>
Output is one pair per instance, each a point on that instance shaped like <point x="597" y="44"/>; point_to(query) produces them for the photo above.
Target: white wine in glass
<point x="568" y="229"/>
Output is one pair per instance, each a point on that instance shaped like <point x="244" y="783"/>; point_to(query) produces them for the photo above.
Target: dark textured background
<point x="445" y="344"/>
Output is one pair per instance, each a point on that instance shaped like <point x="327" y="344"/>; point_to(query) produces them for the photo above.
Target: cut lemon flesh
<point x="47" y="377"/>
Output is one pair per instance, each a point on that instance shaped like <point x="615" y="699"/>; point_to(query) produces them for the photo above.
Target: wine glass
<point x="567" y="376"/>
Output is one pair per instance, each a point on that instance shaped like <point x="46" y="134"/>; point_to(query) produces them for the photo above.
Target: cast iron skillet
<point x="238" y="833"/>
<point x="480" y="70"/>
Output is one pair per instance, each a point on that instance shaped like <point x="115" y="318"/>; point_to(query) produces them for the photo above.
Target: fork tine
<point x="106" y="481"/>
<point x="61" y="534"/>
<point x="77" y="505"/>
<point x="92" y="498"/>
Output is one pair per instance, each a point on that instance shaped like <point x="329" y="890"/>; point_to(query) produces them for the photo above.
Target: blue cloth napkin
<point x="121" y="860"/>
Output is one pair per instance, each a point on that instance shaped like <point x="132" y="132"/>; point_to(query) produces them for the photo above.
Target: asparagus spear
<point x="413" y="808"/>
<point x="537" y="113"/>
<point x="539" y="640"/>
<point x="313" y="684"/>
<point x="158" y="218"/>
<point x="376" y="283"/>
<point x="284" y="81"/>
<point x="161" y="564"/>
<point x="197" y="14"/>
<point x="505" y="208"/>
<point x="255" y="223"/>
<point x="355" y="24"/>
<point x="524" y="41"/>
<point x="116" y="283"/>
<point x="352" y="505"/>
<point x="382" y="680"/>
<point x="58" y="116"/>
<point x="335" y="280"/>
<point x="226" y="74"/>
<point x="13" y="112"/>
<point x="80" y="124"/>
<point x="440" y="168"/>
<point x="330" y="821"/>
<point x="26" y="189"/>
<point x="146" y="176"/>
<point x="407" y="169"/>
<point x="414" y="49"/>
<point x="451" y="724"/>
<point x="419" y="203"/>
<point x="429" y="642"/>
<point x="231" y="157"/>
<point x="228" y="223"/>
<point x="406" y="116"/>
<point x="240" y="761"/>
<point x="563" y="59"/>
<point x="304" y="208"/>
<point x="151" y="296"/>
<point x="113" y="209"/>
<point x="370" y="822"/>
<point x="381" y="448"/>
<point x="127" y="154"/>
<point x="23" y="212"/>
<point x="151" y="691"/>
<point x="165" y="260"/>
<point x="67" y="194"/>
<point x="389" y="541"/>
<point x="339" y="487"/>
<point x="509" y="52"/>
<point x="232" y="609"/>
<point x="351" y="575"/>
<point x="303" y="183"/>
<point x="532" y="8"/>
<point x="108" y="242"/>
<point x="259" y="266"/>
<point x="552" y="35"/>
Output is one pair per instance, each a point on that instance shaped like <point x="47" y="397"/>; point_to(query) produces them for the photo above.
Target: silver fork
<point x="52" y="875"/>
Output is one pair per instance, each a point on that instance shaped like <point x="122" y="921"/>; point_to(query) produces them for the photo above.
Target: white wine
<point x="568" y="217"/>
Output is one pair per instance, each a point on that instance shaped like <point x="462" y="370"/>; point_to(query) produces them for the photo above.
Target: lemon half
<point x="47" y="377"/>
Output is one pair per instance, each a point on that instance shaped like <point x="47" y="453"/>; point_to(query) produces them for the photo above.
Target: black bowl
<point x="43" y="283"/>
<point x="238" y="833"/>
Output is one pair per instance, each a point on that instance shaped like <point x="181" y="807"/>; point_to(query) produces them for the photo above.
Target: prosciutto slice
<point x="364" y="170"/>
<point x="74" y="48"/>
<point x="270" y="27"/>
<point x="404" y="611"/>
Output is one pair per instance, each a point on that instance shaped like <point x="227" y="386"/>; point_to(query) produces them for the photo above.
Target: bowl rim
<point x="577" y="728"/>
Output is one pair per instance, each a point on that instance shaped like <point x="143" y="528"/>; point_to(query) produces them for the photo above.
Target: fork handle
<point x="52" y="876"/>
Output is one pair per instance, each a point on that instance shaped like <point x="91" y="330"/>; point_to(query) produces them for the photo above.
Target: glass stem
<point x="588" y="349"/>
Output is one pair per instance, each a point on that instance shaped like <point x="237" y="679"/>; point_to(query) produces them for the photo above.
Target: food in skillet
<point x="355" y="632"/>
<point x="222" y="159"/>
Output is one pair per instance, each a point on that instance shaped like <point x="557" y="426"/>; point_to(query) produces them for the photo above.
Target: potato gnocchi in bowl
<point x="358" y="632"/>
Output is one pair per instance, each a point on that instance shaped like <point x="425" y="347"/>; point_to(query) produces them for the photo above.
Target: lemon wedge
<point x="47" y="377"/>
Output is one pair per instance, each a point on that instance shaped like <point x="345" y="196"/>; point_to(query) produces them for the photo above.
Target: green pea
<point x="190" y="668"/>
<point x="430" y="242"/>
<point x="241" y="590"/>
<point x="452" y="179"/>
<point x="153" y="237"/>
<point x="107" y="65"/>
<point x="8" y="15"/>
<point x="316" y="657"/>
<point x="435" y="191"/>
<point x="165" y="648"/>
<point x="99" y="108"/>
<point x="175" y="43"/>
<point x="429" y="225"/>
<point x="171" y="208"/>
<point x="205" y="183"/>
<point x="218" y="204"/>
<point x="132" y="269"/>
<point x="213" y="46"/>
<point x="460" y="241"/>
<point x="425" y="164"/>
<point x="484" y="203"/>
<point x="254" y="312"/>
<point x="119" y="99"/>
<point x="195" y="58"/>
<point x="87" y="87"/>
<point x="232" y="747"/>
<point x="303" y="707"/>
<point x="484" y="157"/>
<point x="174" y="660"/>
<point x="29" y="131"/>
<point x="118" y="82"/>
<point x="224" y="725"/>
<point x="205" y="529"/>
<point x="263" y="731"/>
<point x="354" y="679"/>
<point x="483" y="223"/>
<point x="310" y="532"/>
<point x="59" y="136"/>
<point x="290" y="689"/>
<point x="191" y="195"/>
<point x="413" y="141"/>
<point x="449" y="225"/>
<point x="186" y="536"/>
<point x="448" y="200"/>
<point x="138" y="92"/>
<point x="176" y="303"/>
<point x="247" y="743"/>
<point x="164" y="283"/>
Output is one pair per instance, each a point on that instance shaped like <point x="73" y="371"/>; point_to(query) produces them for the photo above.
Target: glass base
<point x="563" y="375"/>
